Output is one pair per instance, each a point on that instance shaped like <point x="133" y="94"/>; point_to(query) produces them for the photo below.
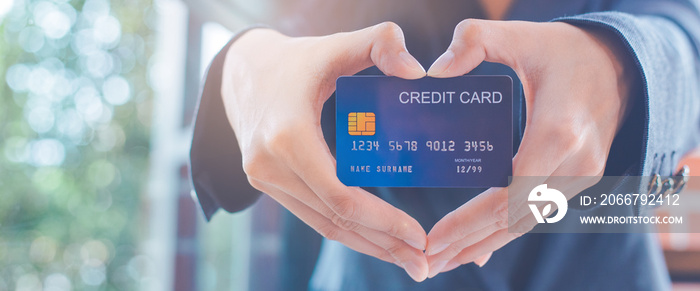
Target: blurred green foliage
<point x="75" y="108"/>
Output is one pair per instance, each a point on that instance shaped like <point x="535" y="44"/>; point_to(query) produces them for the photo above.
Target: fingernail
<point x="449" y="267"/>
<point x="415" y="244"/>
<point x="483" y="260"/>
<point x="442" y="64"/>
<point x="411" y="62"/>
<point x="413" y="271"/>
<point x="434" y="249"/>
<point x="436" y="268"/>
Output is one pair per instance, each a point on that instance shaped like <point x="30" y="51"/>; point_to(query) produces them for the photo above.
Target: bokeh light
<point x="5" y="7"/>
<point x="74" y="123"/>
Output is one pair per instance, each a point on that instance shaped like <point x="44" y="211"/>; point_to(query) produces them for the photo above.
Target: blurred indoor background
<point x="96" y="106"/>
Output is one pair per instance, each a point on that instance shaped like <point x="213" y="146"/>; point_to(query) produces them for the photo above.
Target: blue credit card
<point x="454" y="132"/>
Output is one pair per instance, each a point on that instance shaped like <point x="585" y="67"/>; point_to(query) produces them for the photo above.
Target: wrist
<point x="241" y="59"/>
<point x="246" y="46"/>
<point x="614" y="57"/>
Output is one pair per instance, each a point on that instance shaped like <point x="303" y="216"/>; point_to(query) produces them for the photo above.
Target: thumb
<point x="382" y="45"/>
<point x="475" y="41"/>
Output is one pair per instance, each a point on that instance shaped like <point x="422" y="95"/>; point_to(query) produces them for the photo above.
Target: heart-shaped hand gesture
<point x="576" y="91"/>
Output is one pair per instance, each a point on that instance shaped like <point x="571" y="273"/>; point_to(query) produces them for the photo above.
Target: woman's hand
<point x="274" y="88"/>
<point x="576" y="85"/>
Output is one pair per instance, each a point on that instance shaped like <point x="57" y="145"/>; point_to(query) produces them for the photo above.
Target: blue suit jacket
<point x="663" y="36"/>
